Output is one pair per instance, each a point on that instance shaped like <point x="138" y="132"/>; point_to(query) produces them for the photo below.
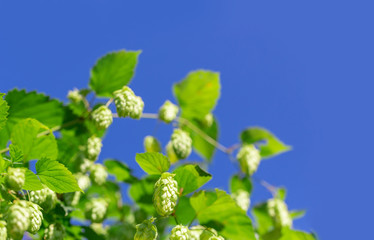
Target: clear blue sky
<point x="303" y="69"/>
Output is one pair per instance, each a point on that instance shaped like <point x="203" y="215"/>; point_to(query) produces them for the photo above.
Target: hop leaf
<point x="128" y="104"/>
<point x="45" y="198"/>
<point x="98" y="174"/>
<point x="168" y="112"/>
<point x="151" y="144"/>
<point x="165" y="195"/>
<point x="15" y="178"/>
<point x="102" y="117"/>
<point x="278" y="210"/>
<point x="182" y="143"/>
<point x="3" y="230"/>
<point x="95" y="210"/>
<point x="93" y="148"/>
<point x="54" y="232"/>
<point x="146" y="230"/>
<point x="241" y="198"/>
<point x="180" y="232"/>
<point x="18" y="219"/>
<point x="36" y="218"/>
<point x="75" y="96"/>
<point x="72" y="198"/>
<point x="249" y="158"/>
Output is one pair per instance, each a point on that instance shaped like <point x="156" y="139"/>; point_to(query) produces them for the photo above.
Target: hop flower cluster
<point x="182" y="143"/>
<point x="36" y="218"/>
<point x="3" y="230"/>
<point x="278" y="210"/>
<point x="45" y="198"/>
<point x="128" y="104"/>
<point x="165" y="195"/>
<point x="102" y="117"/>
<point x="180" y="232"/>
<point x="98" y="174"/>
<point x="93" y="148"/>
<point x="15" y="178"/>
<point x="168" y="112"/>
<point x="83" y="181"/>
<point x="151" y="144"/>
<point x="241" y="198"/>
<point x="249" y="158"/>
<point x="54" y="232"/>
<point x="75" y="96"/>
<point x="146" y="230"/>
<point x="95" y="210"/>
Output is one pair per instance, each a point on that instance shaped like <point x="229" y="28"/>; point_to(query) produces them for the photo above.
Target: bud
<point x="3" y="231"/>
<point x="151" y="144"/>
<point x="165" y="195"/>
<point x="249" y="158"/>
<point x="102" y="117"/>
<point x="98" y="174"/>
<point x="75" y="96"/>
<point x="146" y="230"/>
<point x="18" y="219"/>
<point x="15" y="178"/>
<point x="168" y="112"/>
<point x="93" y="148"/>
<point x="207" y="121"/>
<point x="95" y="210"/>
<point x="180" y="232"/>
<point x="241" y="198"/>
<point x="45" y="198"/>
<point x="127" y="103"/>
<point x="278" y="210"/>
<point x="182" y="143"/>
<point x="54" y="232"/>
<point x="170" y="153"/>
<point x="35" y="219"/>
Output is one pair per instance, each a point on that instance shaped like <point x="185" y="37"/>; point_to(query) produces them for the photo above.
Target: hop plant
<point x="72" y="198"/>
<point x="151" y="144"/>
<point x="196" y="231"/>
<point x="241" y="198"/>
<point x="170" y="153"/>
<point x="83" y="181"/>
<point x="45" y="198"/>
<point x="182" y="143"/>
<point x="168" y="112"/>
<point x="3" y="230"/>
<point x="75" y="96"/>
<point x="95" y="210"/>
<point x="249" y="158"/>
<point x="93" y="148"/>
<point x="146" y="230"/>
<point x="180" y="232"/>
<point x="207" y="121"/>
<point x="278" y="210"/>
<point x="85" y="165"/>
<point x="165" y="195"/>
<point x="102" y="117"/>
<point x="36" y="218"/>
<point x="210" y="234"/>
<point x="98" y="174"/>
<point x="54" y="231"/>
<point x="128" y="104"/>
<point x="18" y="219"/>
<point x="15" y="178"/>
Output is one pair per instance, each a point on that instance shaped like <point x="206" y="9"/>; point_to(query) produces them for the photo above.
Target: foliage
<point x="52" y="186"/>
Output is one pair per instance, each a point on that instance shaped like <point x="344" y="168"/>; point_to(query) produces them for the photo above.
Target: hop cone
<point x="127" y="103"/>
<point x="15" y="178"/>
<point x="83" y="181"/>
<point x="54" y="232"/>
<point x="93" y="148"/>
<point x="146" y="230"/>
<point x="95" y="210"/>
<point x="168" y="112"/>
<point x="84" y="165"/>
<point x="102" y="117"/>
<point x="182" y="143"/>
<point x="18" y="219"/>
<point x="165" y="195"/>
<point x="75" y="96"/>
<point x="196" y="231"/>
<point x="35" y="219"/>
<point x="45" y="198"/>
<point x="241" y="198"/>
<point x="249" y="158"/>
<point x="180" y="232"/>
<point x="3" y="231"/>
<point x="98" y="174"/>
<point x="207" y="121"/>
<point x="170" y="153"/>
<point x="278" y="210"/>
<point x="151" y="144"/>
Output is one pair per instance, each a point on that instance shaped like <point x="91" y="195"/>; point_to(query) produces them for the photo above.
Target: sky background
<point x="302" y="69"/>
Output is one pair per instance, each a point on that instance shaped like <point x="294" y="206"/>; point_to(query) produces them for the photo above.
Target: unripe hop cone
<point x="45" y="198"/>
<point x="168" y="112"/>
<point x="75" y="96"/>
<point x="146" y="230"/>
<point x="128" y="104"/>
<point x="3" y="230"/>
<point x="54" y="232"/>
<point x="98" y="174"/>
<point x="242" y="199"/>
<point x="180" y="232"/>
<point x="15" y="178"/>
<point x="36" y="218"/>
<point x="102" y="117"/>
<point x="249" y="158"/>
<point x="93" y="148"/>
<point x="18" y="219"/>
<point x="95" y="210"/>
<point x="182" y="143"/>
<point x="165" y="195"/>
<point x="151" y="144"/>
<point x="278" y="210"/>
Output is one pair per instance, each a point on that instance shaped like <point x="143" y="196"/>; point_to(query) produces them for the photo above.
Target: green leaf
<point x="269" y="144"/>
<point x="218" y="210"/>
<point x="32" y="182"/>
<point x="120" y="170"/>
<point x="142" y="192"/>
<point x="153" y="163"/>
<point x="3" y="111"/>
<point x="184" y="211"/>
<point x="191" y="177"/>
<point x="295" y="214"/>
<point x="15" y="153"/>
<point x="281" y="193"/>
<point x="198" y="93"/>
<point x="263" y="219"/>
<point x="240" y="183"/>
<point x="29" y="135"/>
<point x="289" y="234"/>
<point x="56" y="176"/>
<point x="113" y="71"/>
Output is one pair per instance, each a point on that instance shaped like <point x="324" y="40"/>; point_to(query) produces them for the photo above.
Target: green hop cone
<point x="210" y="234"/>
<point x="165" y="195"/>
<point x="18" y="219"/>
<point x="182" y="143"/>
<point x="170" y="153"/>
<point x="168" y="112"/>
<point x="75" y="96"/>
<point x="242" y="199"/>
<point x="180" y="232"/>
<point x="54" y="231"/>
<point x="45" y="198"/>
<point x="207" y="121"/>
<point x="3" y="230"/>
<point x="15" y="178"/>
<point x="93" y="148"/>
<point x="83" y="181"/>
<point x="95" y="210"/>
<point x="36" y="218"/>
<point x="249" y="158"/>
<point x="278" y="210"/>
<point x="127" y="103"/>
<point x="151" y="144"/>
<point x="146" y="230"/>
<point x="102" y="117"/>
<point x="98" y="174"/>
<point x="84" y="165"/>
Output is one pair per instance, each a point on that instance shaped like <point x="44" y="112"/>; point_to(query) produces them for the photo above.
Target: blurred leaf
<point x="142" y="192"/>
<point x="153" y="163"/>
<point x="191" y="177"/>
<point x="240" y="183"/>
<point x="295" y="214"/>
<point x="68" y="147"/>
<point x="3" y="111"/>
<point x="184" y="211"/>
<point x="263" y="219"/>
<point x="32" y="182"/>
<point x="120" y="170"/>
<point x="281" y="193"/>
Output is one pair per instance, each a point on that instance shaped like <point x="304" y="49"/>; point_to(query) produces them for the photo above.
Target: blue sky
<point x="302" y="69"/>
